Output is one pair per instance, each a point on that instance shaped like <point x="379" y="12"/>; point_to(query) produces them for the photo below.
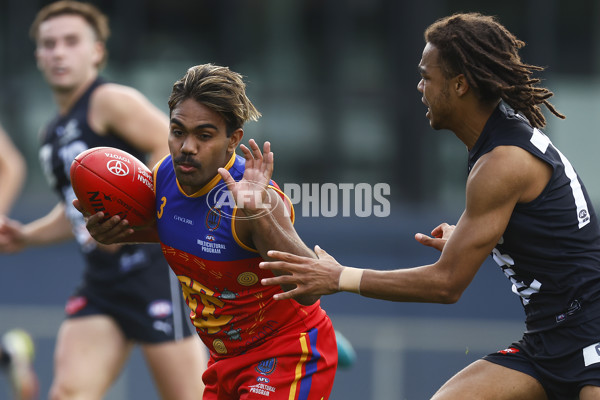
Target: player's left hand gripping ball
<point x="115" y="182"/>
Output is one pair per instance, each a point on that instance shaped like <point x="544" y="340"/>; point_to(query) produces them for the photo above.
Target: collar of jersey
<point x="213" y="182"/>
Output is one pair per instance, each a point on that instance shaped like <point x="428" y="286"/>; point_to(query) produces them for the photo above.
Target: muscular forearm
<point x="52" y="228"/>
<point x="11" y="187"/>
<point x="12" y="177"/>
<point x="420" y="284"/>
<point x="12" y="172"/>
<point x="269" y="234"/>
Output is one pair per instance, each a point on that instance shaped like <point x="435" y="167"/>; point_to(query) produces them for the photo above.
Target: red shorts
<point x="296" y="366"/>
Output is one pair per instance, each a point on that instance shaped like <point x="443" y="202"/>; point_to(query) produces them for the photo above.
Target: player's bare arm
<point x="54" y="227"/>
<point x="125" y="112"/>
<point x="498" y="181"/>
<point x="275" y="230"/>
<point x="266" y="223"/>
<point x="12" y="172"/>
<point x="311" y="276"/>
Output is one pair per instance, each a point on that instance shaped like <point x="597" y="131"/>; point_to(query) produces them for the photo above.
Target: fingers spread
<point x="267" y="150"/>
<point x="95" y="219"/>
<point x="284" y="256"/>
<point x="255" y="149"/>
<point x="227" y="178"/>
<point x="322" y="254"/>
<point x="285" y="295"/>
<point x="423" y="239"/>
<point x="247" y="153"/>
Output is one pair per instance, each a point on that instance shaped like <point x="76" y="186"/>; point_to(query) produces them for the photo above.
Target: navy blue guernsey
<point x="61" y="141"/>
<point x="550" y="250"/>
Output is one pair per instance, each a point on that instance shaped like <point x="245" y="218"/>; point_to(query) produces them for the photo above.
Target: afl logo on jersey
<point x="266" y="367"/>
<point x="117" y="167"/>
<point x="160" y="309"/>
<point x="213" y="219"/>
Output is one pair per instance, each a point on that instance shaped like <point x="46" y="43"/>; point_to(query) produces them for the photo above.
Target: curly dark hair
<point x="486" y="53"/>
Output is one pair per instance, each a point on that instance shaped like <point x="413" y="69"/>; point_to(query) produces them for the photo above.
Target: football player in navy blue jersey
<point x="127" y="296"/>
<point x="525" y="205"/>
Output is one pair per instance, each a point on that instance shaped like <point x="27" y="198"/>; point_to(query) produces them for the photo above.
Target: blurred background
<point x="336" y="83"/>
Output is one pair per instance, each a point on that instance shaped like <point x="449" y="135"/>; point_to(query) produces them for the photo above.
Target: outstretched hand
<point x="250" y="192"/>
<point x="439" y="236"/>
<point x="310" y="276"/>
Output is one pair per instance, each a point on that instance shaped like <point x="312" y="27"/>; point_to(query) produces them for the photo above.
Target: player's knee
<point x="67" y="390"/>
<point x="60" y="392"/>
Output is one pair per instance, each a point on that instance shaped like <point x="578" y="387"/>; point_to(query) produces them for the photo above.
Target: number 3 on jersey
<point x="163" y="202"/>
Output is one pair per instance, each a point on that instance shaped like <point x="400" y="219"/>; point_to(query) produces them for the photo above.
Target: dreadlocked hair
<point x="483" y="50"/>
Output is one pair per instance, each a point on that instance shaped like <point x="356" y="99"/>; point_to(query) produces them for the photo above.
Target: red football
<point x="115" y="182"/>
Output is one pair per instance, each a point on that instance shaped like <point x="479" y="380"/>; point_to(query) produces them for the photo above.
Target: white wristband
<point x="350" y="279"/>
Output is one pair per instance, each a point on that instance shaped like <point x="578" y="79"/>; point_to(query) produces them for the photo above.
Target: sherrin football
<point x="115" y="182"/>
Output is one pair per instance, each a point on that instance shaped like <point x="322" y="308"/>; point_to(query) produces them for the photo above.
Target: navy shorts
<point x="146" y="303"/>
<point x="563" y="360"/>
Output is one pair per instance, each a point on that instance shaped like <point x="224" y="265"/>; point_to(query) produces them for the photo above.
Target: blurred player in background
<point x="258" y="347"/>
<point x="16" y="358"/>
<point x="525" y="204"/>
<point x="128" y="294"/>
<point x="12" y="172"/>
<point x="16" y="345"/>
